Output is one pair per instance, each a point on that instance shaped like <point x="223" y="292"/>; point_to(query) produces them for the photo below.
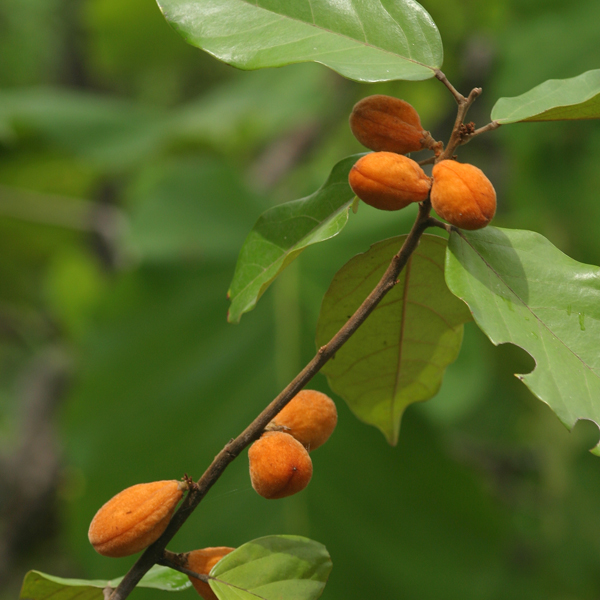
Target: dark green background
<point x="486" y="495"/>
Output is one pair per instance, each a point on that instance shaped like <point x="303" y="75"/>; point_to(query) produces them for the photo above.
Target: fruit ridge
<point x="385" y="123"/>
<point x="310" y="417"/>
<point x="134" y="518"/>
<point x="462" y="195"/>
<point x="389" y="181"/>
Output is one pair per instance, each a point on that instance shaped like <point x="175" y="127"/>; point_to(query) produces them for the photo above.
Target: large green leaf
<point x="399" y="355"/>
<point x="523" y="290"/>
<point x="40" y="586"/>
<point x="553" y="100"/>
<point x="283" y="232"/>
<point x="272" y="568"/>
<point x="366" y="41"/>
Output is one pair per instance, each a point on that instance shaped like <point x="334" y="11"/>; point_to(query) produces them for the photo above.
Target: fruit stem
<point x="173" y="561"/>
<point x="433" y="222"/>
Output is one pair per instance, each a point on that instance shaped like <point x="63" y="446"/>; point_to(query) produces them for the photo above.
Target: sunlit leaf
<point x="40" y="586"/>
<point x="283" y="232"/>
<point x="369" y="41"/>
<point x="272" y="568"/>
<point x="553" y="100"/>
<point x="399" y="355"/>
<point x="523" y="290"/>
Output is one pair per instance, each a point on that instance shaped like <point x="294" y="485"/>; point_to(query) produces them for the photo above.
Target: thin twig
<point x="154" y="553"/>
<point x="489" y="127"/>
<point x="457" y="137"/>
<point x="170" y="559"/>
<point x="427" y="161"/>
<point x="457" y="95"/>
<point x="433" y="222"/>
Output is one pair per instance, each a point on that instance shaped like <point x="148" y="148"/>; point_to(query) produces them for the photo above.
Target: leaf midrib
<point x="538" y="319"/>
<point x="337" y="33"/>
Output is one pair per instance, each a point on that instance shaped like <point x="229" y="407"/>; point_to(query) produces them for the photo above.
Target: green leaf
<point x="553" y="100"/>
<point x="109" y="132"/>
<point x="40" y="586"/>
<point x="283" y="232"/>
<point x="399" y="355"/>
<point x="273" y="567"/>
<point x="367" y="41"/>
<point x="523" y="290"/>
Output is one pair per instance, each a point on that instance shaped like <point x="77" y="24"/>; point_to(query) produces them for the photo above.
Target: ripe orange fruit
<point x="462" y="195"/>
<point x="279" y="465"/>
<point x="135" y="517"/>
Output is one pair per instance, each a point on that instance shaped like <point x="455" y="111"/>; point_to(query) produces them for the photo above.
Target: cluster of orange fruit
<point x="279" y="466"/>
<point x="279" y="462"/>
<point x="460" y="193"/>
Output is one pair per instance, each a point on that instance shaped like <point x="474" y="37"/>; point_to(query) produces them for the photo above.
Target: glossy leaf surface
<point x="40" y="586"/>
<point x="273" y="567"/>
<point x="399" y="355"/>
<point x="369" y="41"/>
<point x="283" y="232"/>
<point x="521" y="289"/>
<point x="553" y="100"/>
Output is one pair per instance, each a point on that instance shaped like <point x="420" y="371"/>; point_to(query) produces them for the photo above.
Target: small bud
<point x="462" y="195"/>
<point x="384" y="123"/>
<point x="389" y="181"/>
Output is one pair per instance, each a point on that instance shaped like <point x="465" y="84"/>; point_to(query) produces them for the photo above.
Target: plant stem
<point x="155" y="553"/>
<point x="457" y="95"/>
<point x="173" y="561"/>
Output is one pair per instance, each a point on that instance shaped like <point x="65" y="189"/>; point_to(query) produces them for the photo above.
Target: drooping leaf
<point x="369" y="41"/>
<point x="553" y="100"/>
<point x="521" y="289"/>
<point x="273" y="567"/>
<point x="399" y="355"/>
<point x="40" y="586"/>
<point x="283" y="232"/>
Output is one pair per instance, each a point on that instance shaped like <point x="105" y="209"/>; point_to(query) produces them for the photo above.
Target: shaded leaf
<point x="553" y="100"/>
<point x="39" y="586"/>
<point x="112" y="133"/>
<point x="523" y="290"/>
<point x="188" y="209"/>
<point x="273" y="567"/>
<point x="283" y="232"/>
<point x="399" y="355"/>
<point x="362" y="41"/>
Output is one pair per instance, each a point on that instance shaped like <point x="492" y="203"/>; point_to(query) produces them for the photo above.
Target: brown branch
<point x="155" y="553"/>
<point x="461" y="133"/>
<point x="458" y="134"/>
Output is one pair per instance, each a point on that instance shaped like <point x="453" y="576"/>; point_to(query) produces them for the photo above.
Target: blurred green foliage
<point x="131" y="168"/>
